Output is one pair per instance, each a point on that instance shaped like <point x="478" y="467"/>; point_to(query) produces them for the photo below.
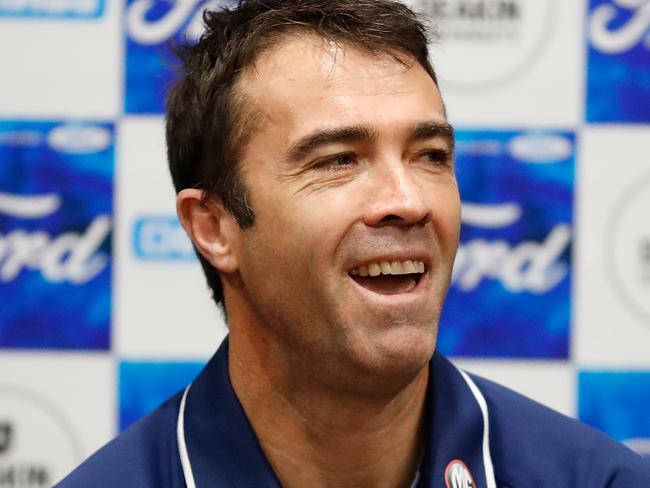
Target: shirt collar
<point x="218" y="446"/>
<point x="458" y="430"/>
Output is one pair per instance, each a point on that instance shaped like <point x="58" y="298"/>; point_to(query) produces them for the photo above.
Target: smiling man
<point x="314" y="167"/>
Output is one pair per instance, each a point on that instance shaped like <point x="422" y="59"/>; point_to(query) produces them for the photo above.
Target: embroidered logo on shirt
<point x="458" y="476"/>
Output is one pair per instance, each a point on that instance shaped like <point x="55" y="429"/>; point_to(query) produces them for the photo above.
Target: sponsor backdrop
<point x="103" y="308"/>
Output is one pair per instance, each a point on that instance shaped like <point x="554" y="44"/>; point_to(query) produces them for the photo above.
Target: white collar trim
<point x="478" y="396"/>
<point x="487" y="457"/>
<point x="182" y="446"/>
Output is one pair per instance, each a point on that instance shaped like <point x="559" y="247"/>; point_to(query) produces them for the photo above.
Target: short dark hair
<point x="205" y="126"/>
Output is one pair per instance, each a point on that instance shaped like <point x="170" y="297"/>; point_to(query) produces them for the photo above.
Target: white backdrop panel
<point x="612" y="322"/>
<point x="57" y="409"/>
<point x="552" y="383"/>
<point x="162" y="304"/>
<point x="61" y="68"/>
<point x="514" y="64"/>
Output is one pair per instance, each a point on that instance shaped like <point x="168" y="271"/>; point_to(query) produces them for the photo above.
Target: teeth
<point x="386" y="268"/>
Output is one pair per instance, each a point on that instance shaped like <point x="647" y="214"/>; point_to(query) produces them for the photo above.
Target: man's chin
<point x="392" y="359"/>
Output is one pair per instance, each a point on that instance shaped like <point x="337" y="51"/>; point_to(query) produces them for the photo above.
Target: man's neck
<point x="317" y="436"/>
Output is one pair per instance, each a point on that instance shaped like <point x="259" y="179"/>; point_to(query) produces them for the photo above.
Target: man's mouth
<point x="389" y="277"/>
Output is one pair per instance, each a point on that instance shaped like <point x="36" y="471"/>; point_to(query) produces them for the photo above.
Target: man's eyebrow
<point x="432" y="130"/>
<point x="320" y="138"/>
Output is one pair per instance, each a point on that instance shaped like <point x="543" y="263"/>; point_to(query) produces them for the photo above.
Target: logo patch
<point x="618" y="53"/>
<point x="38" y="445"/>
<point x="48" y="9"/>
<point x="616" y="402"/>
<point x="628" y="252"/>
<point x="161" y="238"/>
<point x="151" y="27"/>
<point x="56" y="200"/>
<point x="145" y="385"/>
<point x="486" y="43"/>
<point x="513" y="264"/>
<point x="457" y="475"/>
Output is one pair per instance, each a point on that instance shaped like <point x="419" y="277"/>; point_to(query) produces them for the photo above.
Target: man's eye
<point x="437" y="157"/>
<point x="344" y="159"/>
<point x="339" y="161"/>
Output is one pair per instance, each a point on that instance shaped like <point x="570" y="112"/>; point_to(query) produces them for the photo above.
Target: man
<point x="314" y="167"/>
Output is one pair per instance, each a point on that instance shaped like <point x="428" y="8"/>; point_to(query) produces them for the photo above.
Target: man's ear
<point x="211" y="227"/>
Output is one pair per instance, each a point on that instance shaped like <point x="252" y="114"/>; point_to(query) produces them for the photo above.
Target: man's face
<point x="349" y="173"/>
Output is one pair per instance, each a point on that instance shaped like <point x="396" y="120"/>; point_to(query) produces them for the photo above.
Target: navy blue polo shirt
<point x="478" y="434"/>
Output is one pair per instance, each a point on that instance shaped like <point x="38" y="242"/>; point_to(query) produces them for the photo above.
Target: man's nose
<point x="396" y="197"/>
